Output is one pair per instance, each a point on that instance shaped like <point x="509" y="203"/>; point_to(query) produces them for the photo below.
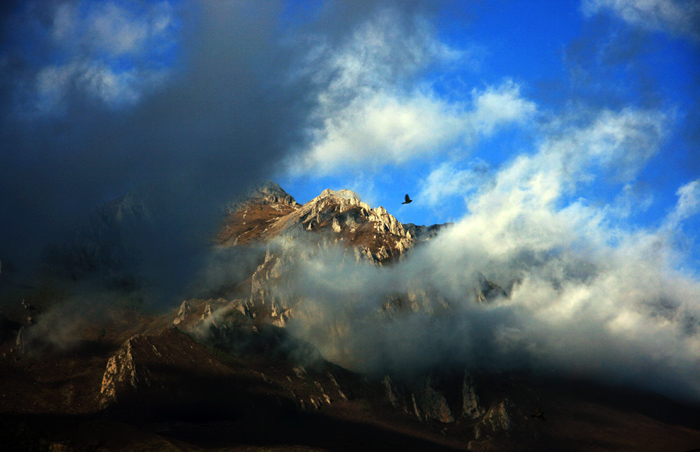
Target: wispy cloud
<point x="374" y="111"/>
<point x="112" y="53"/>
<point x="448" y="180"/>
<point x="97" y="81"/>
<point x="680" y="17"/>
<point x="687" y="206"/>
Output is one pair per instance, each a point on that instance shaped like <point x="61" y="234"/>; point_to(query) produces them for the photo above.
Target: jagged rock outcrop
<point x="343" y="393"/>
<point x="121" y="372"/>
<point x="169" y="368"/>
<point x="264" y="282"/>
<point x="488" y="291"/>
<point x="251" y="219"/>
<point x="287" y="233"/>
<point x="378" y="235"/>
<point x="19" y="341"/>
<point x="396" y="396"/>
<point x="271" y="212"/>
<point x="471" y="408"/>
<point x="269" y="193"/>
<point x="423" y="397"/>
<point x="132" y="207"/>
<point x="202" y="318"/>
<point x="182" y="313"/>
<point x="333" y="217"/>
<point x="430" y="403"/>
<point x="424" y="233"/>
<point x="497" y="420"/>
<point x="107" y="246"/>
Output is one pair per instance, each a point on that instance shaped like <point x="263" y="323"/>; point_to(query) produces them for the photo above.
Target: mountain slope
<point x="232" y="372"/>
<point x="270" y="212"/>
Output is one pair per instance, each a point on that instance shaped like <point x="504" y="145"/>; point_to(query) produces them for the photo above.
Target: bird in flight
<point x="407" y="201"/>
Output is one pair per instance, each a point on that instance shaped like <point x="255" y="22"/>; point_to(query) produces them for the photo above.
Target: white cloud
<point x="619" y="142"/>
<point x="65" y="22"/>
<point x="96" y="39"/>
<point x="687" y="206"/>
<point x="382" y="52"/>
<point x="586" y="297"/>
<point x="499" y="105"/>
<point x="52" y="84"/>
<point x="516" y="209"/>
<point x="519" y="210"/>
<point x="370" y="112"/>
<point x="676" y="16"/>
<point x="116" y="29"/>
<point x="631" y="199"/>
<point x="95" y="80"/>
<point x="447" y="180"/>
<point x="111" y="28"/>
<point x="379" y="129"/>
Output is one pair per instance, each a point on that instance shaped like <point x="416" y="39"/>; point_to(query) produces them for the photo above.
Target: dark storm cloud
<point x="218" y="125"/>
<point x="340" y="18"/>
<point x="188" y="139"/>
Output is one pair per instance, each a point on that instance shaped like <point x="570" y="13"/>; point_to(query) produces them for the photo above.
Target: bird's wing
<point x="407" y="198"/>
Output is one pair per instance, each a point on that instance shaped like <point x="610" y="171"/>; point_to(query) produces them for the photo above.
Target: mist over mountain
<point x="374" y="297"/>
<point x="334" y="307"/>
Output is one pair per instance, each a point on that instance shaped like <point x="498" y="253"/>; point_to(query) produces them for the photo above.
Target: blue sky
<point x="558" y="66"/>
<point x="434" y="99"/>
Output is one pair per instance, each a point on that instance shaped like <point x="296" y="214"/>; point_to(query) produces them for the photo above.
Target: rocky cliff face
<point x="253" y="218"/>
<point x="339" y="215"/>
<point x="271" y="218"/>
<point x="106" y="247"/>
<point x="223" y="372"/>
<point x="121" y="373"/>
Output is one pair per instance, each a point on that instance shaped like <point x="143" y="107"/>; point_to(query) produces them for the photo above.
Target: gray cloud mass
<point x="220" y="122"/>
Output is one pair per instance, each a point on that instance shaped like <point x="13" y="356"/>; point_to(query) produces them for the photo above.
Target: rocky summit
<point x="230" y="370"/>
<point x="270" y="212"/>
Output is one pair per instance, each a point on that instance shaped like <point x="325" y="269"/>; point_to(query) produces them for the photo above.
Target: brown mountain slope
<point x="171" y="392"/>
<point x="222" y="374"/>
<point x="270" y="212"/>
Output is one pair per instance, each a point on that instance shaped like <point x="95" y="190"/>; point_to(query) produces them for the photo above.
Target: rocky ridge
<point x="222" y="370"/>
<point x="269" y="216"/>
<point x="246" y="319"/>
<point x="270" y="212"/>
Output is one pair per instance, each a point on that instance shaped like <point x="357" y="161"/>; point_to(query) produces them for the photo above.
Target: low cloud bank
<point x="587" y="296"/>
<point x="621" y="313"/>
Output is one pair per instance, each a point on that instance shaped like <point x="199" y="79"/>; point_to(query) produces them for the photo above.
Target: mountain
<point x="105" y="247"/>
<point x="231" y="369"/>
<point x="270" y="212"/>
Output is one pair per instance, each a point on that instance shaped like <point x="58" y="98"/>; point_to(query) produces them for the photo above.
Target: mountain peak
<point x="269" y="211"/>
<point x="270" y="193"/>
<point x="344" y="193"/>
